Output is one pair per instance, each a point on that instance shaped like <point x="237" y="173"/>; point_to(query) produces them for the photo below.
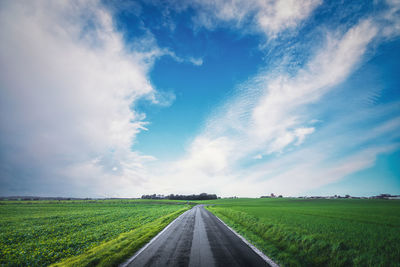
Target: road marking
<point x="126" y="263"/>
<point x="256" y="250"/>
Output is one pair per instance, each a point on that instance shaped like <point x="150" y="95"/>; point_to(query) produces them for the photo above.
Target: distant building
<point x="386" y="196"/>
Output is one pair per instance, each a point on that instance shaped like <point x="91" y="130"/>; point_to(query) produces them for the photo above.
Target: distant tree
<point x="202" y="196"/>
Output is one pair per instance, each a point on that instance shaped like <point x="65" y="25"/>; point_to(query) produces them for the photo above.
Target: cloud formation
<point x="67" y="89"/>
<point x="70" y="85"/>
<point x="268" y="17"/>
<point x="238" y="150"/>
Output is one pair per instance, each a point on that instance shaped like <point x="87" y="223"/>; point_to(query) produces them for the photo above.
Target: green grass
<point x="37" y="233"/>
<point x="297" y="232"/>
<point x="117" y="250"/>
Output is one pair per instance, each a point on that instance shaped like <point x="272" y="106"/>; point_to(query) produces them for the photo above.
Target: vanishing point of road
<point x="197" y="238"/>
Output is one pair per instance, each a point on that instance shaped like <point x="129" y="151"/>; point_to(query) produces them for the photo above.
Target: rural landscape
<point x="200" y="133"/>
<point x="291" y="231"/>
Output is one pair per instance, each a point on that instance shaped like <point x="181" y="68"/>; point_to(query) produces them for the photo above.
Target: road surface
<point x="197" y="238"/>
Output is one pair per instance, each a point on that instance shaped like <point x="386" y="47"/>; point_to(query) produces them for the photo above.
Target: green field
<point x="301" y="232"/>
<point x="38" y="233"/>
<point x="293" y="232"/>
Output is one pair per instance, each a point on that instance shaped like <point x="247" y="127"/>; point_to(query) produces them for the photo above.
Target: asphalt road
<point x="197" y="238"/>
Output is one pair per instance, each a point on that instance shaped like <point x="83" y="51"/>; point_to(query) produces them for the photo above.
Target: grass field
<point x="38" y="233"/>
<point x="293" y="232"/>
<point x="300" y="232"/>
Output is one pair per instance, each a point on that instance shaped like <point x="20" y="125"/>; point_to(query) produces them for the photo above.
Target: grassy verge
<point x="116" y="251"/>
<point x="318" y="232"/>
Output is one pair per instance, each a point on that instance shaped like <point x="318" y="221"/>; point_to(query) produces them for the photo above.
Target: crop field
<point x="106" y="232"/>
<point x="303" y="232"/>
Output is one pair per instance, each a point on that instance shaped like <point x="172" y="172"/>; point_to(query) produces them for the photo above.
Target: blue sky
<point x="245" y="98"/>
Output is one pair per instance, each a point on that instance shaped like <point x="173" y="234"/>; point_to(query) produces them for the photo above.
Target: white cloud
<point x="196" y="61"/>
<point x="67" y="84"/>
<point x="258" y="156"/>
<point x="208" y="155"/>
<point x="275" y="16"/>
<point x="275" y="117"/>
<point x="301" y="134"/>
<point x="268" y="116"/>
<point x="391" y="19"/>
<point x="192" y="60"/>
<point x="303" y="171"/>
<point x="269" y="17"/>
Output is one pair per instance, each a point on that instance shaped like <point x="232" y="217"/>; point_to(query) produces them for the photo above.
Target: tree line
<point x="202" y="196"/>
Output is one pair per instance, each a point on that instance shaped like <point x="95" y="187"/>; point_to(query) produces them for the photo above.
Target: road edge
<point x="256" y="250"/>
<point x="128" y="261"/>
